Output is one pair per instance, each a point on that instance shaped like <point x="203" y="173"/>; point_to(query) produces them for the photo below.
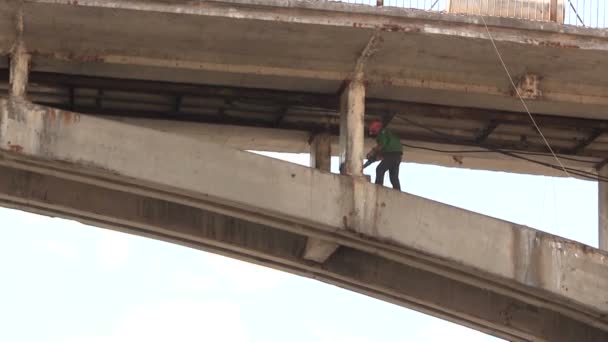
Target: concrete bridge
<point x="130" y="115"/>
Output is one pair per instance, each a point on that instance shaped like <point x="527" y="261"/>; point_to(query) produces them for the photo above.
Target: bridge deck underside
<point x="459" y="132"/>
<point x="439" y="70"/>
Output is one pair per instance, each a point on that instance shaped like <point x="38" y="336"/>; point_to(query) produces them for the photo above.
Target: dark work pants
<point x="390" y="162"/>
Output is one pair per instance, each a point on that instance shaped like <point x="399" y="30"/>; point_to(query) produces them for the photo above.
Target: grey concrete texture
<point x="320" y="250"/>
<point x="368" y="273"/>
<point x="291" y="141"/>
<point x="534" y="267"/>
<point x="352" y="128"/>
<point x="314" y="46"/>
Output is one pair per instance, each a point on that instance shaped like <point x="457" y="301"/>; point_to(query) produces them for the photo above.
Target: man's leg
<point x="393" y="171"/>
<point x="380" y="171"/>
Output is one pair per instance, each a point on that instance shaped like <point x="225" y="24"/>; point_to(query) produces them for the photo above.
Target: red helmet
<point x="375" y="127"/>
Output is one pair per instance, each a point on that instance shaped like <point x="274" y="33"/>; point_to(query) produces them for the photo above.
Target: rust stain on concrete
<point x="389" y="27"/>
<point x="16" y="148"/>
<point x="552" y="43"/>
<point x="70" y="117"/>
<point x="70" y="56"/>
<point x="51" y="114"/>
<point x="398" y="28"/>
<point x="64" y="117"/>
<point x="559" y="45"/>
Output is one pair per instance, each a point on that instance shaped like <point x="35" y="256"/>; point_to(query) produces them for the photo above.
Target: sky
<point x="67" y="282"/>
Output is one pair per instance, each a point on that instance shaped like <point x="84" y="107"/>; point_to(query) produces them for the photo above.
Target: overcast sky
<point x="64" y="281"/>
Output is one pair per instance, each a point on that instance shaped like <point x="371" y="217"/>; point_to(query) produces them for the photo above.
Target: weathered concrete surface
<point x="291" y="141"/>
<point x="352" y="111"/>
<point x="350" y="268"/>
<point x="320" y="250"/>
<point x="541" y="270"/>
<point x="19" y="71"/>
<point x="320" y="151"/>
<point x="314" y="46"/>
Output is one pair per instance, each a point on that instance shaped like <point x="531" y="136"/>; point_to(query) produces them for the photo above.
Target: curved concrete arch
<point x="495" y="276"/>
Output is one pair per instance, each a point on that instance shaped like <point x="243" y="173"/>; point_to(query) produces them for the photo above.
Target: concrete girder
<point x="345" y="14"/>
<point x="349" y="268"/>
<point x="544" y="271"/>
<point x="294" y="141"/>
<point x="428" y="57"/>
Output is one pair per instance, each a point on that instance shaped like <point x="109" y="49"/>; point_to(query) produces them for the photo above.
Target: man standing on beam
<point x="389" y="150"/>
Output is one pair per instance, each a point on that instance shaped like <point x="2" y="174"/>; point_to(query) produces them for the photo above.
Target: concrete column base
<point x="319" y="250"/>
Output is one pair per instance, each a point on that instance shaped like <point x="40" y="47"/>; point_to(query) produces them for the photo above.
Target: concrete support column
<point x="320" y="152"/>
<point x="553" y="11"/>
<point x="19" y="70"/>
<point x="320" y="158"/>
<point x="603" y="211"/>
<point x="352" y="109"/>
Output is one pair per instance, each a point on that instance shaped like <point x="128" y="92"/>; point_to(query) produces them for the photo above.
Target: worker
<point x="389" y="150"/>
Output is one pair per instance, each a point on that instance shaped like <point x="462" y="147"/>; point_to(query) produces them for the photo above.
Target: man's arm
<point x="374" y="151"/>
<point x="372" y="156"/>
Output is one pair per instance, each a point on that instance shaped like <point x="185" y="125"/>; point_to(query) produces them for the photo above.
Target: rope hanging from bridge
<point x="576" y="12"/>
<point x="523" y="102"/>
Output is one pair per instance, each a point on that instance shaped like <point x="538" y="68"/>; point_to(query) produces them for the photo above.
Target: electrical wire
<point x="504" y="65"/>
<point x="486" y="149"/>
<point x="572" y="171"/>
<point x="540" y="154"/>
<point x="517" y="155"/>
<point x="568" y="171"/>
<point x="576" y="12"/>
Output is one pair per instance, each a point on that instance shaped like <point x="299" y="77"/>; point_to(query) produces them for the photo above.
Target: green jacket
<point x="389" y="142"/>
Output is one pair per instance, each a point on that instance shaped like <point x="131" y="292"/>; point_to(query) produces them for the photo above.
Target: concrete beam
<point x="369" y="17"/>
<point x="295" y="141"/>
<point x="426" y="57"/>
<point x="319" y="250"/>
<point x="364" y="272"/>
<point x="541" y="270"/>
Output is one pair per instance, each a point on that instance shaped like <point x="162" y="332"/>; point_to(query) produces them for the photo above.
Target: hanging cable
<point x="457" y="141"/>
<point x="569" y="171"/>
<point x="572" y="171"/>
<point x="576" y="12"/>
<point x="504" y="65"/>
<point x="540" y="154"/>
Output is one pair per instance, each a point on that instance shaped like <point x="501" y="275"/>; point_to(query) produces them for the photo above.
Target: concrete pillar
<point x="320" y="158"/>
<point x="603" y="211"/>
<point x="20" y="61"/>
<point x="320" y="152"/>
<point x="352" y="109"/>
